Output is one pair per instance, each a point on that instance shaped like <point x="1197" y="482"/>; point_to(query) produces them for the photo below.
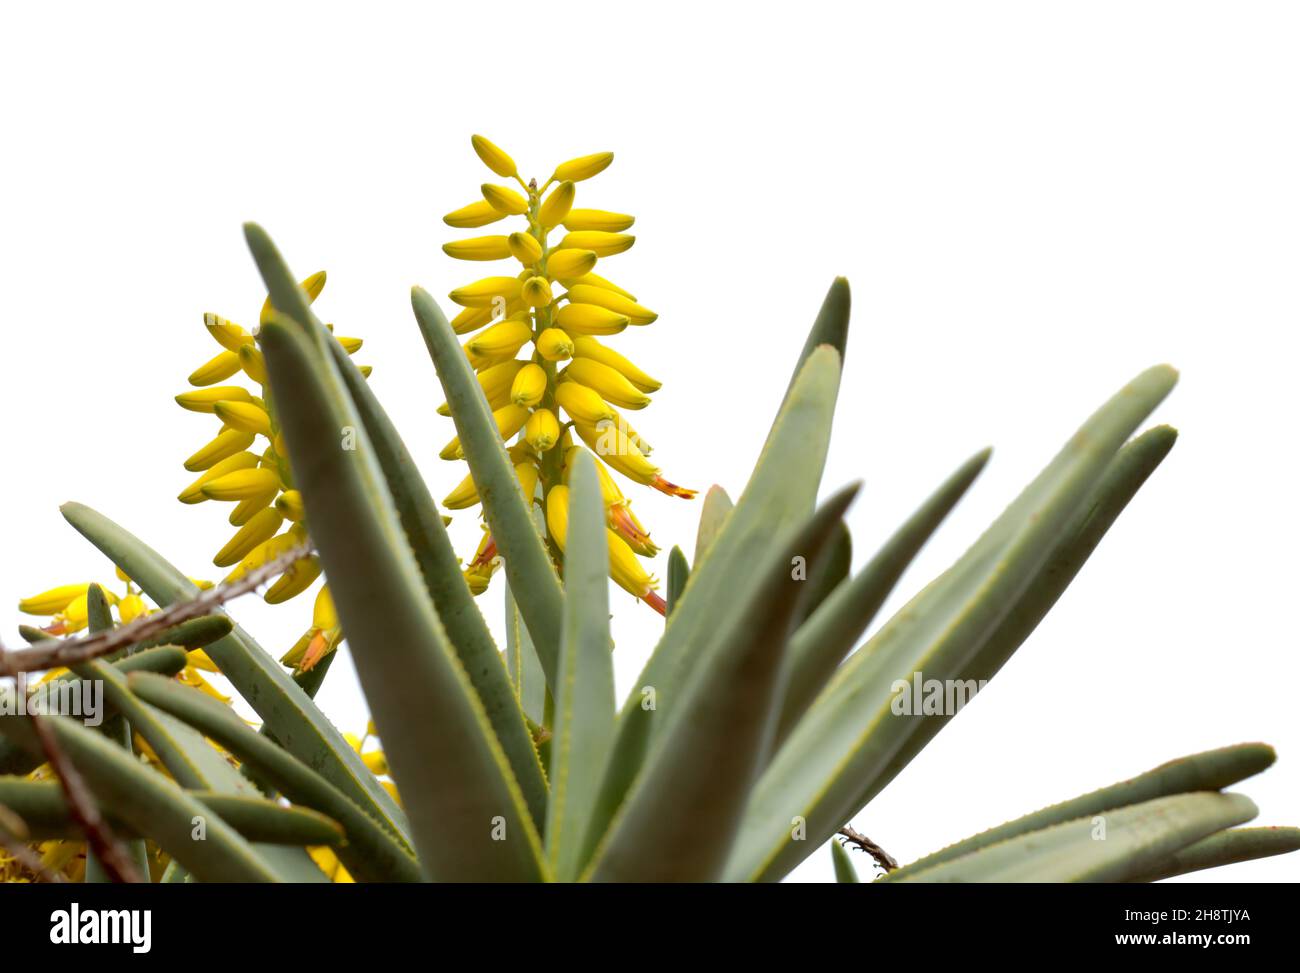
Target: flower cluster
<point x="571" y="384"/>
<point x="247" y="464"/>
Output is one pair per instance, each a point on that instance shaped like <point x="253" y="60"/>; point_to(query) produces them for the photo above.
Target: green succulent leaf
<point x="583" y="724"/>
<point x="528" y="567"/>
<point x="849" y="742"/>
<point x="1225" y="848"/>
<point x="830" y="571"/>
<point x="524" y="666"/>
<point x="844" y="871"/>
<point x="830" y="327"/>
<point x="1116" y="846"/>
<point x="714" y="512"/>
<point x="679" y="570"/>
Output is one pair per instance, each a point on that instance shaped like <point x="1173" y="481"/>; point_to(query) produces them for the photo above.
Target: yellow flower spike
<point x="555" y="207"/>
<point x="542" y="431"/>
<point x="502" y="340"/>
<point x="290" y="506"/>
<point x="570" y="263"/>
<point x="582" y="404"/>
<point x="130" y="608"/>
<point x="313" y="285"/>
<point x="226" y="333"/>
<point x="262" y="526"/>
<point x="488" y="291"/>
<point x="479" y="248"/>
<point x="585" y="346"/>
<point x="217" y="369"/>
<point x="583" y="167"/>
<point x="597" y="219"/>
<point x="611" y="385"/>
<point x="351" y="345"/>
<point x="226" y="444"/>
<point x="244" y="511"/>
<point x="494" y="158"/>
<point x="258" y="484"/>
<point x="528" y="475"/>
<point x="53" y="601"/>
<point x="205" y="400"/>
<point x="595" y="280"/>
<point x="557" y="515"/>
<point x="464" y="496"/>
<point x="536" y="292"/>
<point x="529" y="385"/>
<point x="554" y="344"/>
<point x="611" y="300"/>
<point x="476" y="214"/>
<point x="525" y="248"/>
<point x="375" y="762"/>
<point x="471" y="319"/>
<point x="504" y="200"/>
<point x="590" y="319"/>
<point x="253" y="364"/>
<point x="245" y="416"/>
<point x="626" y="570"/>
<point x="600" y="243"/>
<point x="293" y="582"/>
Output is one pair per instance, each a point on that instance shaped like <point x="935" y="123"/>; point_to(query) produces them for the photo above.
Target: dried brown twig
<point x="69" y="652"/>
<point x="863" y="843"/>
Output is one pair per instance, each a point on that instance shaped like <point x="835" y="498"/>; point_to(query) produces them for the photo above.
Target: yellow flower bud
<point x="261" y="483"/>
<point x="556" y="206"/>
<point x="464" y="496"/>
<point x="479" y="248"/>
<point x="553" y="344"/>
<point x="501" y="340"/>
<point x="351" y="345"/>
<point x="323" y="615"/>
<point x="586" y="294"/>
<point x="525" y="248"/>
<point x="529" y="385"/>
<point x="626" y="570"/>
<point x="293" y="582"/>
<point x="53" y="601"/>
<point x="266" y="551"/>
<point x="240" y="461"/>
<point x="130" y="608"/>
<point x="244" y="511"/>
<point x="609" y="384"/>
<point x="509" y="420"/>
<point x="375" y="762"/>
<point x="291" y="506"/>
<point x="261" y="527"/>
<point x="589" y="319"/>
<point x="527" y="474"/>
<point x="566" y="264"/>
<point x="597" y="219"/>
<point x="585" y="346"/>
<point x="557" y="514"/>
<point x="582" y="404"/>
<point x="494" y="158"/>
<point x="247" y="416"/>
<point x="472" y="318"/>
<point x="474" y="215"/>
<point x="253" y="363"/>
<point x="595" y="280"/>
<point x="583" y="167"/>
<point x="542" y="430"/>
<point x="226" y="444"/>
<point x="600" y="243"/>
<point x="204" y="400"/>
<point x="495" y="383"/>
<point x="227" y="334"/>
<point x="312" y="286"/>
<point x="217" y="369"/>
<point x="504" y="200"/>
<point x="536" y="292"/>
<point x="483" y="293"/>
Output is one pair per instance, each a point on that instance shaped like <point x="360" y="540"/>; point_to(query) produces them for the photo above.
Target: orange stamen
<point x="672" y="489"/>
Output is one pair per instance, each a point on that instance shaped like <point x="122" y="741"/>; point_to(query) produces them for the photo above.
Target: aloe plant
<point x="758" y="728"/>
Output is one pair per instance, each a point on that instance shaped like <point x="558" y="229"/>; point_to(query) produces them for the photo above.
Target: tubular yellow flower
<point x="205" y="400"/>
<point x="493" y="157"/>
<point x="227" y="334"/>
<point x="554" y="344"/>
<point x="628" y="574"/>
<point x="536" y="292"/>
<point x="586" y="346"/>
<point x="240" y="461"/>
<point x="528" y="475"/>
<point x="217" y="369"/>
<point x="608" y="383"/>
<point x="611" y="444"/>
<point x="244" y="511"/>
<point x="291" y="506"/>
<point x="590" y="319"/>
<point x="583" y="167"/>
<point x="485" y="292"/>
<point x="557" y="515"/>
<point x="525" y="248"/>
<point x="261" y="483"/>
<point x="262" y="526"/>
<point x="53" y="601"/>
<point x="479" y="248"/>
<point x="499" y="341"/>
<point x="529" y="385"/>
<point x="504" y="200"/>
<point x="595" y="280"/>
<point x="226" y="444"/>
<point x="472" y="318"/>
<point x="130" y="608"/>
<point x="313" y="285"/>
<point x="564" y="265"/>
<point x="266" y="551"/>
<point x="600" y="243"/>
<point x="613" y="301"/>
<point x="556" y="206"/>
<point x="509" y="420"/>
<point x="253" y="364"/>
<point x="295" y="581"/>
<point x="476" y="214"/>
<point x="464" y="496"/>
<point x="248" y="416"/>
<point x="582" y="404"/>
<point x="350" y="345"/>
<point x="597" y="219"/>
<point x="496" y="383"/>
<point x="542" y="430"/>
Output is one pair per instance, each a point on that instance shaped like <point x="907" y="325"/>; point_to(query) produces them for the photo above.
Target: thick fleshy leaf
<point x="1116" y="846"/>
<point x="1225" y="848"/>
<point x="372" y="852"/>
<point x="714" y="511"/>
<point x="683" y="811"/>
<point x="583" y="725"/>
<point x="830" y="571"/>
<point x="830" y="327"/>
<point x="289" y="715"/>
<point x="525" y="668"/>
<point x="440" y="568"/>
<point x="678" y="573"/>
<point x="1209" y="771"/>
<point x="821" y="643"/>
<point x="845" y="873"/>
<point x="457" y="786"/>
<point x="532" y="578"/>
<point x="849" y="742"/>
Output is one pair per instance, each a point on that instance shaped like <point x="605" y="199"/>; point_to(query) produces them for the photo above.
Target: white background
<point x="1032" y="201"/>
